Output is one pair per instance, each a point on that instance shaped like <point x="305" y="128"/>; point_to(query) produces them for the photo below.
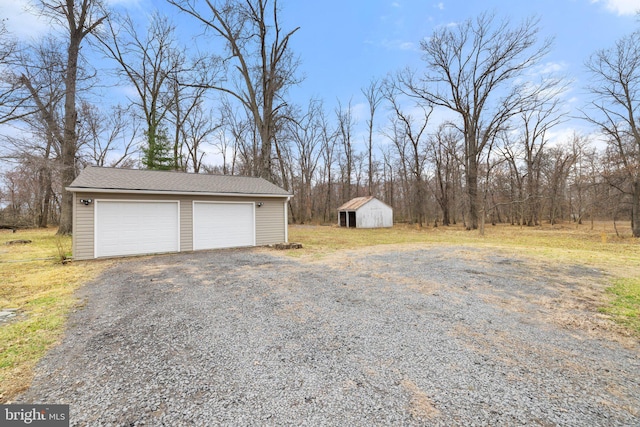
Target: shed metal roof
<point x="355" y="204"/>
<point x="94" y="178"/>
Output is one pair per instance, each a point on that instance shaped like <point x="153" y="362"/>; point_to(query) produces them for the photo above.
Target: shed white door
<point x="133" y="228"/>
<point x="223" y="225"/>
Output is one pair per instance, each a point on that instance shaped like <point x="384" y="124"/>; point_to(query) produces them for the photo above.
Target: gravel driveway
<point x="383" y="336"/>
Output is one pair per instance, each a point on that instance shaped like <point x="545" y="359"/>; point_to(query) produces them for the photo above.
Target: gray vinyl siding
<point x="270" y="227"/>
<point x="83" y="235"/>
<point x="269" y="221"/>
<point x="186" y="224"/>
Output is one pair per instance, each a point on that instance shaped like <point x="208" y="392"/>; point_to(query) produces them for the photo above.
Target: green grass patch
<point x="35" y="282"/>
<point x="625" y="303"/>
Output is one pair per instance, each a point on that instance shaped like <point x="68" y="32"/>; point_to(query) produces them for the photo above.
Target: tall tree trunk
<point x="77" y="17"/>
<point x="70" y="139"/>
<point x="45" y="186"/>
<point x="44" y="182"/>
<point x="264" y="168"/>
<point x="635" y="210"/>
<point x="472" y="189"/>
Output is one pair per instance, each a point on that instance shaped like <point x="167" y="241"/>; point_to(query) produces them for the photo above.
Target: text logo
<point x="34" y="415"/>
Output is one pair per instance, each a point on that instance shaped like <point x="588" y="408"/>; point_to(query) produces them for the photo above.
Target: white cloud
<point x="548" y="68"/>
<point x="406" y="46"/>
<point x="125" y="90"/>
<point x="396" y="4"/>
<point x="440" y="6"/>
<point x="398" y="44"/>
<point x="621" y="7"/>
<point x="359" y="112"/>
<point x="562" y="135"/>
<point x="552" y="67"/>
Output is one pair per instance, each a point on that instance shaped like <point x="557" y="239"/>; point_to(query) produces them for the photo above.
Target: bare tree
<point x="244" y="141"/>
<point x="192" y="121"/>
<point x="617" y="180"/>
<point x="373" y="93"/>
<point x="22" y="184"/>
<point x="388" y="175"/>
<point x="616" y="88"/>
<point x="525" y="150"/>
<point x="443" y="153"/>
<point x="306" y="134"/>
<point x="149" y="62"/>
<point x="261" y="63"/>
<point x="536" y="123"/>
<point x="110" y="137"/>
<point x="345" y="125"/>
<point x="79" y="18"/>
<point x="40" y="71"/>
<point x="12" y="101"/>
<point x="411" y="128"/>
<point x="400" y="161"/>
<point x="198" y="128"/>
<point x="557" y="163"/>
<point x="230" y="137"/>
<point x="283" y="152"/>
<point x="225" y="148"/>
<point x="580" y="178"/>
<point x="473" y="70"/>
<point x="328" y="137"/>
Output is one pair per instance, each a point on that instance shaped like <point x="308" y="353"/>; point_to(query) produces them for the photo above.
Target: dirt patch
<point x="569" y="296"/>
<point x="420" y="404"/>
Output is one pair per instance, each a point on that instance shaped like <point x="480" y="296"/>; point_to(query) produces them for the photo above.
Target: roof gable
<point x="137" y="180"/>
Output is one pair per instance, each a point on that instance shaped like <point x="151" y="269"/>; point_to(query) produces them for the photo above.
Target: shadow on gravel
<point x="433" y="336"/>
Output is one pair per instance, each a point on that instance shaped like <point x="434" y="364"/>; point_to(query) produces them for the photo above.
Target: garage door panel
<point x="223" y="225"/>
<point x="131" y="228"/>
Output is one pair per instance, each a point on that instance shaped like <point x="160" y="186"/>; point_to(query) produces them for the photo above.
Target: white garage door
<point x="130" y="228"/>
<point x="223" y="225"/>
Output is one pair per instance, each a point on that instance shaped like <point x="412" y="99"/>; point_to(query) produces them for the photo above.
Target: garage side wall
<point x="269" y="221"/>
<point x="82" y="227"/>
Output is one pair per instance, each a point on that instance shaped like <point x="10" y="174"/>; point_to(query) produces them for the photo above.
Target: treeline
<point x="491" y="159"/>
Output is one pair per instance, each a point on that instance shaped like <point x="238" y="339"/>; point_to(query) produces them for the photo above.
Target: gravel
<point x="387" y="336"/>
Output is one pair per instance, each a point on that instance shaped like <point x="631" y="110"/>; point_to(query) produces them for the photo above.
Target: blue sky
<point x="343" y="44"/>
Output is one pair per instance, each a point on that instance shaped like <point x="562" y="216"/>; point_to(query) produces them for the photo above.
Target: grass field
<point x="34" y="281"/>
<point x="41" y="288"/>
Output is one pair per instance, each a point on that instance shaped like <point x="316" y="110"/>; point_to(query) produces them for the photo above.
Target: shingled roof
<point x="94" y="178"/>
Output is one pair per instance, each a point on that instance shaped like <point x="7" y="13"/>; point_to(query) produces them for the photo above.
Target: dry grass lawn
<point x="35" y="283"/>
<point x="597" y="246"/>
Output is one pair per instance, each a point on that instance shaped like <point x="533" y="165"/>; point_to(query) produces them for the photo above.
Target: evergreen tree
<point x="158" y="152"/>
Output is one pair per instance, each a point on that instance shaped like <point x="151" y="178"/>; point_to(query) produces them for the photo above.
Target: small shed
<point x="120" y="212"/>
<point x="365" y="212"/>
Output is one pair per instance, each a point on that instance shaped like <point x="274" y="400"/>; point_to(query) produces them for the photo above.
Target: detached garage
<point x="120" y="212"/>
